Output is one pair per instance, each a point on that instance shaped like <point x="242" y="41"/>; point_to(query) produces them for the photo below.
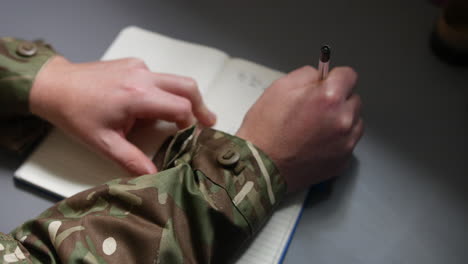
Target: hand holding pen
<point x="308" y="122"/>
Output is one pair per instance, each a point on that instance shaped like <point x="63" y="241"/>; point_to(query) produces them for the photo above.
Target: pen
<point x="324" y="62"/>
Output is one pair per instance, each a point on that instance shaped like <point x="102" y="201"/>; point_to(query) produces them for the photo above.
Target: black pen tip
<point x="325" y="53"/>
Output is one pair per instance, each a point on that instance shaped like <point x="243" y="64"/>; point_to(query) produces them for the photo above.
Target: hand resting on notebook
<point x="308" y="127"/>
<point x="99" y="102"/>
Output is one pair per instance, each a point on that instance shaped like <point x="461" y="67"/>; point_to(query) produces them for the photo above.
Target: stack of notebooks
<point x="229" y="87"/>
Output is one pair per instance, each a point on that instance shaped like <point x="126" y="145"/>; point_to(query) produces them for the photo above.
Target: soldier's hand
<point x="308" y="127"/>
<point x="99" y="103"/>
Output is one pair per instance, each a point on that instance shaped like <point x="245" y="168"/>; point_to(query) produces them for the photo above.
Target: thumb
<point x="127" y="155"/>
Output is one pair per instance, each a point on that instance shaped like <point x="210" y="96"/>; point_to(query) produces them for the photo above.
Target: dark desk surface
<point x="405" y="198"/>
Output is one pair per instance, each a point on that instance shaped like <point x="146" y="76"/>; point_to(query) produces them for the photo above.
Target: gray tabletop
<point x="404" y="200"/>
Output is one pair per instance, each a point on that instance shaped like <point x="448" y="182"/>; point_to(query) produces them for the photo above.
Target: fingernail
<point x="150" y="169"/>
<point x="193" y="121"/>
<point x="212" y="118"/>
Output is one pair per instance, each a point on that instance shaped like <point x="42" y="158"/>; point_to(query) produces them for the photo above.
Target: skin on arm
<point x="315" y="129"/>
<point x="99" y="102"/>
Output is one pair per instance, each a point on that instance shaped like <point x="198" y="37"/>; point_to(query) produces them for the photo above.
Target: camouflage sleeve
<point x="212" y="195"/>
<point x="20" y="61"/>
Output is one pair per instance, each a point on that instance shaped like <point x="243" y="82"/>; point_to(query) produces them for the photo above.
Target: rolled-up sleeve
<point x="20" y="61"/>
<point x="213" y="193"/>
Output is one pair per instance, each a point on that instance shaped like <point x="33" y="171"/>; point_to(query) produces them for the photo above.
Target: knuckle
<point x="331" y="97"/>
<point x="104" y="142"/>
<point x="192" y="89"/>
<point x="132" y="86"/>
<point x="135" y="63"/>
<point x="191" y="84"/>
<point x="130" y="163"/>
<point x="134" y="73"/>
<point x="133" y="90"/>
<point x="345" y="124"/>
<point x="184" y="109"/>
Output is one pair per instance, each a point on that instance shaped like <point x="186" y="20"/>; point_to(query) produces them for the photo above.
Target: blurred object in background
<point x="450" y="37"/>
<point x="441" y="3"/>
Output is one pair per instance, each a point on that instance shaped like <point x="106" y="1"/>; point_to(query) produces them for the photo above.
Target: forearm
<point x="195" y="211"/>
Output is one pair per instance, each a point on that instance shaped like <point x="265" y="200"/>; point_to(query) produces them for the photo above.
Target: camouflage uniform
<point x="212" y="195"/>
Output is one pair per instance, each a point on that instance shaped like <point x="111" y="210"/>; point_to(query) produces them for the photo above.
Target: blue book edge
<point x="291" y="235"/>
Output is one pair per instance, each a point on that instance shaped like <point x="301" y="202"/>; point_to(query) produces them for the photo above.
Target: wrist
<point x="263" y="145"/>
<point x="46" y="91"/>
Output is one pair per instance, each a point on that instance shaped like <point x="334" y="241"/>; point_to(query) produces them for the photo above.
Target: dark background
<point x="404" y="200"/>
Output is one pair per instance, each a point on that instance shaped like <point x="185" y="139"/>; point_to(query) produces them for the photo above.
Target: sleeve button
<point x="228" y="158"/>
<point x="26" y="49"/>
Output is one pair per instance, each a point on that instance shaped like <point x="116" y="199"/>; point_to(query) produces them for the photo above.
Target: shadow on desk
<point x="27" y="187"/>
<point x="10" y="160"/>
<point x="341" y="187"/>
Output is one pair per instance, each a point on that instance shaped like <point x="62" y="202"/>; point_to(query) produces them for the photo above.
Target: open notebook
<point x="229" y="87"/>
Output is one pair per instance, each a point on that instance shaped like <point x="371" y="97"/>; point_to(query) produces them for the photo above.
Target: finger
<point x="165" y="106"/>
<point x="188" y="88"/>
<point x="356" y="133"/>
<point x="303" y="76"/>
<point x="127" y="155"/>
<point x="341" y="81"/>
<point x="353" y="106"/>
<point x="186" y="122"/>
